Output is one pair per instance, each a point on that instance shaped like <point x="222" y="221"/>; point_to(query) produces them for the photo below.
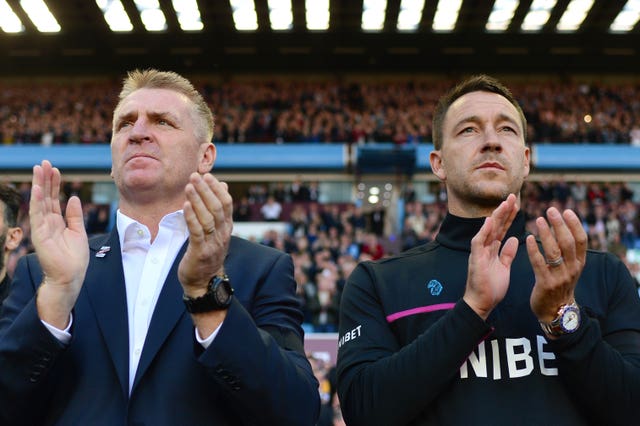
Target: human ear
<point x="207" y="158"/>
<point x="437" y="164"/>
<point x="14" y="237"/>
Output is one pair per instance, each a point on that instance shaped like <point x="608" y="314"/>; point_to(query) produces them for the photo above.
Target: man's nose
<point x="491" y="140"/>
<point x="139" y="131"/>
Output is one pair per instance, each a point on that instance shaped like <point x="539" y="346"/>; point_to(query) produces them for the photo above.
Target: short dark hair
<point x="11" y="200"/>
<point x="477" y="83"/>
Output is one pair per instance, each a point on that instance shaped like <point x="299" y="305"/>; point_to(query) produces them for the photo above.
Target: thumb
<point x="73" y="214"/>
<point x="509" y="250"/>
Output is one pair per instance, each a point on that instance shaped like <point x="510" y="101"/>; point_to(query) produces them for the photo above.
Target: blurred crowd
<point x="323" y="111"/>
<point x="327" y="240"/>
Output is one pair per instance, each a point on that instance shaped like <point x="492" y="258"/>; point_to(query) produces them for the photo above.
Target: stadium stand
<point x="329" y="111"/>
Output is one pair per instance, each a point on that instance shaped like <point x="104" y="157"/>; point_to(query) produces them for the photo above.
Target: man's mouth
<point x="491" y="165"/>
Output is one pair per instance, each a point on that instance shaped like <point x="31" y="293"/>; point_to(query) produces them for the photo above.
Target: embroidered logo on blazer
<point x="103" y="251"/>
<point x="435" y="288"/>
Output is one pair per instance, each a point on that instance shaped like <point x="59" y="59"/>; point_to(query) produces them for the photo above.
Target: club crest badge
<point x="435" y="288"/>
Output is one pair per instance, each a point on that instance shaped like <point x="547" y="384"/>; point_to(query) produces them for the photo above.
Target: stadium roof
<point x="527" y="36"/>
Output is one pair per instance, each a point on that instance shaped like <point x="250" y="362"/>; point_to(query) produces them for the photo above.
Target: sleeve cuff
<point x="63" y="336"/>
<point x="207" y="341"/>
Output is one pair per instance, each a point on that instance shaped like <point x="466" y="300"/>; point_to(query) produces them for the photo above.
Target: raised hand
<point x="208" y="212"/>
<point x="489" y="264"/>
<point x="558" y="269"/>
<point x="61" y="245"/>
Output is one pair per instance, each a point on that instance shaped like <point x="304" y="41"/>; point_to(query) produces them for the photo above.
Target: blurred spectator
<point x="372" y="247"/>
<point x="242" y="210"/>
<point x="10" y="232"/>
<point x="325" y="304"/>
<point x="409" y="193"/>
<point x="314" y="192"/>
<point x="97" y="218"/>
<point x="271" y="210"/>
<point x="299" y="191"/>
<point x="376" y="220"/>
<point x="355" y="216"/>
<point x="280" y="193"/>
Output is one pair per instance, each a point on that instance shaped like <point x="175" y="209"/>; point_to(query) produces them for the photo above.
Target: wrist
<point x="216" y="296"/>
<point x="482" y="313"/>
<point x="566" y="321"/>
<point x="54" y="304"/>
<point x="195" y="291"/>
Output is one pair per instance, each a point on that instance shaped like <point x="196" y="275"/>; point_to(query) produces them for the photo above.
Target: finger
<point x="512" y="212"/>
<point x="550" y="246"/>
<point x="193" y="224"/>
<point x="563" y="236"/>
<point x="503" y="217"/>
<point x="480" y="239"/>
<point x="74" y="216"/>
<point x="508" y="252"/>
<point x="579" y="235"/>
<point x="55" y="190"/>
<point x="46" y="185"/>
<point x="207" y="187"/>
<point x="204" y="218"/>
<point x="537" y="259"/>
<point x="221" y="191"/>
<point x="37" y="195"/>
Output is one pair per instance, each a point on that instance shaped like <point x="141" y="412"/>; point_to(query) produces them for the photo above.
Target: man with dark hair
<point x="10" y="232"/>
<point x="488" y="325"/>
<point x="168" y="319"/>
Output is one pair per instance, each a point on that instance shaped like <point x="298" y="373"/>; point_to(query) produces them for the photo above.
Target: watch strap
<point x="210" y="301"/>
<point x="555" y="327"/>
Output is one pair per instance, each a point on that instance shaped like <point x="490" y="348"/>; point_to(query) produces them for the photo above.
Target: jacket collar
<point x="456" y="232"/>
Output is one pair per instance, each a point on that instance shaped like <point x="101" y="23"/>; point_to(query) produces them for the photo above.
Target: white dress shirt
<point x="146" y="265"/>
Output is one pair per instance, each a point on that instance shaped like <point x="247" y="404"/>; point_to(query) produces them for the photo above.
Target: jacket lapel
<point x="106" y="292"/>
<point x="168" y="311"/>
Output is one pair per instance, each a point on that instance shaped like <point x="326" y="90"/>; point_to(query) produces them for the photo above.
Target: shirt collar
<point x="173" y="221"/>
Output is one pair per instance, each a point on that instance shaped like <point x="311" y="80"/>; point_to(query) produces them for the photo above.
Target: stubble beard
<point x="484" y="196"/>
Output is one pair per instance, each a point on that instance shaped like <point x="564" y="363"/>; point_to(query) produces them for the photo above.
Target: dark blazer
<point x="254" y="372"/>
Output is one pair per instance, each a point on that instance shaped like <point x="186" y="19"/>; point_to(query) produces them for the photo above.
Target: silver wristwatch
<point x="567" y="321"/>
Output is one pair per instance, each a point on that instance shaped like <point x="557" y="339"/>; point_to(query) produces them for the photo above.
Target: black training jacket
<point x="411" y="352"/>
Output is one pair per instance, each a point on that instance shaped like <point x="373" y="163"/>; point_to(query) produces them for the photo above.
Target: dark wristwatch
<point x="218" y="296"/>
<point x="567" y="321"/>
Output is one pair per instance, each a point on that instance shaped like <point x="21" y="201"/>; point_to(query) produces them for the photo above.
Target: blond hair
<point x="169" y="80"/>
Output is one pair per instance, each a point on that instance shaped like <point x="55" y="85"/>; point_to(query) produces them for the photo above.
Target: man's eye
<point x="123" y="124"/>
<point x="509" y="129"/>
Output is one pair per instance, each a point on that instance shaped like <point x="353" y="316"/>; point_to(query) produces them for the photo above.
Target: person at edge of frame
<point x="488" y="325"/>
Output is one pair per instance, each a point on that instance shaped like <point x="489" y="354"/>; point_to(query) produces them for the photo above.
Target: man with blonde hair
<point x="160" y="322"/>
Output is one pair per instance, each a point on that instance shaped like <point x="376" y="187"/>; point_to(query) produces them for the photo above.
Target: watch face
<point x="571" y="319"/>
<point x="222" y="293"/>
